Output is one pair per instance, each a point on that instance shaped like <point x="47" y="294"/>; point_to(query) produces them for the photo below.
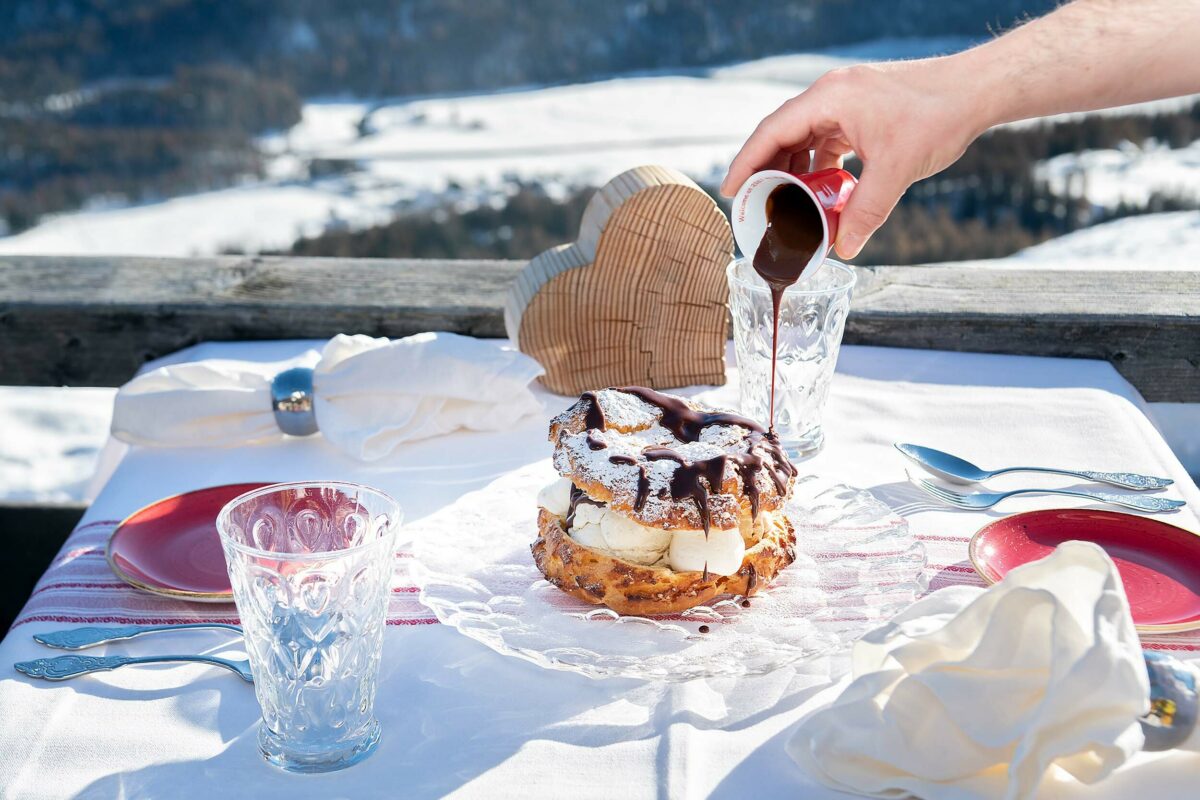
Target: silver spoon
<point x="60" y="668"/>
<point x="956" y="470"/>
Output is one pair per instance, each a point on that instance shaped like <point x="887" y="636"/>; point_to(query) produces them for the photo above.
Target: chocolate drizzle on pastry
<point x="685" y="481"/>
<point x="593" y="413"/>
<point x="696" y="479"/>
<point x="577" y="498"/>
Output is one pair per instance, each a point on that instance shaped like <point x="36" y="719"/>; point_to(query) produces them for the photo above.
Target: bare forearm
<point x="1089" y="54"/>
<point x="907" y="120"/>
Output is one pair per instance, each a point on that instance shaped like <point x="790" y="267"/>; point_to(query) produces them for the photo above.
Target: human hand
<point x="905" y="120"/>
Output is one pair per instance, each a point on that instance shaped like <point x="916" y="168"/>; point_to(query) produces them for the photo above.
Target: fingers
<point x="800" y="162"/>
<point x="782" y="161"/>
<point x="873" y="199"/>
<point x="826" y="159"/>
<point x="785" y="130"/>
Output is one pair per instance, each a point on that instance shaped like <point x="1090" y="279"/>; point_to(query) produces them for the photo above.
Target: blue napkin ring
<point x="292" y="401"/>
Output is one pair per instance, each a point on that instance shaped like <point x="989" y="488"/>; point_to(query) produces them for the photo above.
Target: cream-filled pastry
<point x="663" y="505"/>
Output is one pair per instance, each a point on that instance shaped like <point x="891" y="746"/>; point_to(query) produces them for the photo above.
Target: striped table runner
<point x="79" y="588"/>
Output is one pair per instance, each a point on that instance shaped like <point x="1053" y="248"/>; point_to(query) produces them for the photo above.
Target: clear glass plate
<point x="856" y="566"/>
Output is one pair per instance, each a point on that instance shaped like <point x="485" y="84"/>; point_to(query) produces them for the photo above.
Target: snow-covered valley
<point x="355" y="164"/>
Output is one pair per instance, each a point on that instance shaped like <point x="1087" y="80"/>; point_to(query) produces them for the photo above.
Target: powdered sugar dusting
<point x="632" y="425"/>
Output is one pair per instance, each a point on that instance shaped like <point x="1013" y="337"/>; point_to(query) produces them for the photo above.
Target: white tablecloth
<point x="461" y="720"/>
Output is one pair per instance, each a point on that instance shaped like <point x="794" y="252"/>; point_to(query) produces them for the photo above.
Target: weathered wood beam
<point x="94" y="321"/>
<point x="1146" y="323"/>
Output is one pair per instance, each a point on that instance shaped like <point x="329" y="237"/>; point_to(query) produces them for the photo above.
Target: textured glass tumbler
<point x="310" y="565"/>
<point x="812" y="318"/>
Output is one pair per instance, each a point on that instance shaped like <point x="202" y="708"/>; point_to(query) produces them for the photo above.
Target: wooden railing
<point x="93" y="321"/>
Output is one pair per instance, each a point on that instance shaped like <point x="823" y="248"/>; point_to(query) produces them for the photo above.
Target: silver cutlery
<point x="60" y="668"/>
<point x="80" y="638"/>
<point x="978" y="500"/>
<point x="957" y="470"/>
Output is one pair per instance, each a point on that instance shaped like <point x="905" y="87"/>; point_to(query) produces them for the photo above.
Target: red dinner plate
<point x="1159" y="563"/>
<point x="171" y="547"/>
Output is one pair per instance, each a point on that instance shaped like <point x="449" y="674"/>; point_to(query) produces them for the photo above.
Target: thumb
<point x="873" y="199"/>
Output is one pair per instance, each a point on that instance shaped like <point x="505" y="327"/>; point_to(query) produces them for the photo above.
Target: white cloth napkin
<point x="975" y="693"/>
<point x="370" y="395"/>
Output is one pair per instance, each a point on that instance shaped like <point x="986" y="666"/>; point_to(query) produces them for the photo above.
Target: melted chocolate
<point x="704" y="629"/>
<point x="751" y="580"/>
<point x="577" y="498"/>
<point x="684" y="421"/>
<point x="595" y="444"/>
<point x="593" y="418"/>
<point x="685" y="482"/>
<point x="686" y="424"/>
<point x="794" y="232"/>
<point x="643" y="487"/>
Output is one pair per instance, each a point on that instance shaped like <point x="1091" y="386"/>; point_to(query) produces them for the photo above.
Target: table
<point x="460" y="720"/>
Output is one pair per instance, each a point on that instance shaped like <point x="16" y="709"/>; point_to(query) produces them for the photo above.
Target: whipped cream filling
<point x="603" y="529"/>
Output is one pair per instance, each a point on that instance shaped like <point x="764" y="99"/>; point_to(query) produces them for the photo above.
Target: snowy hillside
<point x="374" y="160"/>
<point x="1151" y="242"/>
<point x="406" y="154"/>
<point x="1129" y="173"/>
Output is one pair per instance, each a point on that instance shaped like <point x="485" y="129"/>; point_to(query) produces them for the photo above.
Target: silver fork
<point x="60" y="668"/>
<point x="978" y="500"/>
<point x="80" y="638"/>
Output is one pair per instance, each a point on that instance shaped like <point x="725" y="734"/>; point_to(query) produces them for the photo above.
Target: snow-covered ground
<point x="1169" y="241"/>
<point x="51" y="442"/>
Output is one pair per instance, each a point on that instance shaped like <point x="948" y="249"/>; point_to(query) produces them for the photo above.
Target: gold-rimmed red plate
<point x="1159" y="563"/>
<point x="171" y="547"/>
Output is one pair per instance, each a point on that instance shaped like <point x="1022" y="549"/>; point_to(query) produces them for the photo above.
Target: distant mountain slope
<point x="133" y="101"/>
<point x="1169" y="241"/>
<point x="390" y="47"/>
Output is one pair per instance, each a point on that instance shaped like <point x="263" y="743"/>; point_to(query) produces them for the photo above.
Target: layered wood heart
<point x="639" y="298"/>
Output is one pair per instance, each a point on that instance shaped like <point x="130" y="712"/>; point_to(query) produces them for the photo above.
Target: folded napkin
<point x="974" y="693"/>
<point x="369" y="395"/>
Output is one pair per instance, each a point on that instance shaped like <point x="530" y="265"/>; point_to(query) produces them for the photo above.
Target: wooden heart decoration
<point x="639" y="298"/>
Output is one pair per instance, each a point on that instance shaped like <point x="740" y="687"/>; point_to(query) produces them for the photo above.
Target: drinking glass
<point x="812" y="317"/>
<point x="310" y="565"/>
